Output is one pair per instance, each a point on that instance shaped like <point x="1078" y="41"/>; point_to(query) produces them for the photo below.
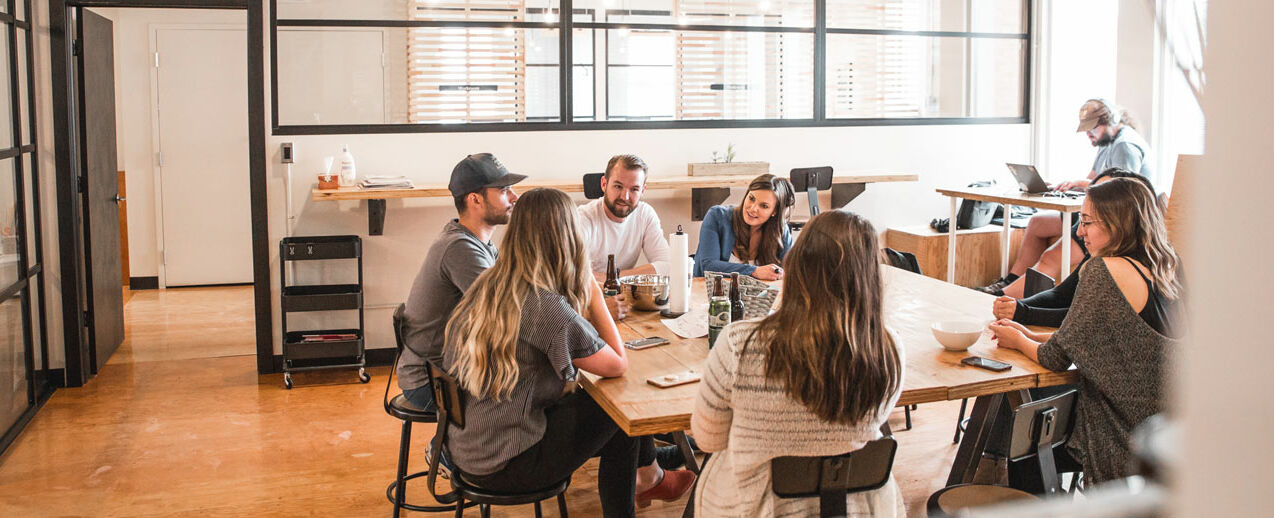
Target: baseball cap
<point x="1092" y="112"/>
<point x="480" y="170"/>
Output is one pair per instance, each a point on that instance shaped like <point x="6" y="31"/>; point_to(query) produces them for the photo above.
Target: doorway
<point x="83" y="247"/>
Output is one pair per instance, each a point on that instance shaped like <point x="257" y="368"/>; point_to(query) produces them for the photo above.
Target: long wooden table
<point x="705" y="191"/>
<point x="912" y="303"/>
<point x="1065" y="205"/>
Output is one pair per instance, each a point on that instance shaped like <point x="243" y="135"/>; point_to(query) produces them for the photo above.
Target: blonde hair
<point x="542" y="249"/>
<point x="1131" y="213"/>
<point x="827" y="344"/>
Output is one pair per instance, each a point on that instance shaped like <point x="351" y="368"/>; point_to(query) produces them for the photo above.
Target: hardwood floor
<point x="159" y="433"/>
<point x="186" y="323"/>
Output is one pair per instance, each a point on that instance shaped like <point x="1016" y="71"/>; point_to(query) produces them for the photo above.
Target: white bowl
<point x="957" y="335"/>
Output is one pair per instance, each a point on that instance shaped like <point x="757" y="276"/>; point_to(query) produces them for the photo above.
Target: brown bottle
<point x="736" y="301"/>
<point x="611" y="287"/>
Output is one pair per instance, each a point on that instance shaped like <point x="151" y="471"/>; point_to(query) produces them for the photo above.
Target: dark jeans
<point x="577" y="430"/>
<point x="422" y="397"/>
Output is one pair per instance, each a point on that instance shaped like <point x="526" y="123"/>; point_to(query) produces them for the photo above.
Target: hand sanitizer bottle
<point x="348" y="176"/>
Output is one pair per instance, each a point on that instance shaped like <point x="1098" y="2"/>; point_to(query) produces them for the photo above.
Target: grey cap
<point x="480" y="170"/>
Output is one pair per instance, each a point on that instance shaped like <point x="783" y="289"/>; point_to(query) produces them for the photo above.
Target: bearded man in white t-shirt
<point x="620" y="223"/>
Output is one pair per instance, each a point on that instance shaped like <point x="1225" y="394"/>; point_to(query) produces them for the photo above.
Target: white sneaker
<point x="443" y="471"/>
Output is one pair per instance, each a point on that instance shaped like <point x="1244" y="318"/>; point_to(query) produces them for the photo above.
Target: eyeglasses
<point x="1085" y="223"/>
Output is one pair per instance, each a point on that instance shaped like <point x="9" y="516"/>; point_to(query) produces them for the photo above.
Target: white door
<point x="201" y="137"/>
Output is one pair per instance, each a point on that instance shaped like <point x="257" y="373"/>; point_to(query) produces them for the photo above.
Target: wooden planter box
<point x="727" y="168"/>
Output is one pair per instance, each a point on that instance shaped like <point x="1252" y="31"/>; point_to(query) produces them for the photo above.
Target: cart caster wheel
<point x="363" y="376"/>
<point x="287" y="381"/>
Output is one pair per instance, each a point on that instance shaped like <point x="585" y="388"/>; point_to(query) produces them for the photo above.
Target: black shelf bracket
<point x="703" y="198"/>
<point x="375" y="217"/>
<point x="843" y="193"/>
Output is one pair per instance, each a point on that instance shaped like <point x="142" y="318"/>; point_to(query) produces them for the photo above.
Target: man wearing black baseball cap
<point x="484" y="197"/>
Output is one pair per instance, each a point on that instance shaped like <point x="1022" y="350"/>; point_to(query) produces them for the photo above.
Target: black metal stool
<point x="447" y="394"/>
<point x="401" y="408"/>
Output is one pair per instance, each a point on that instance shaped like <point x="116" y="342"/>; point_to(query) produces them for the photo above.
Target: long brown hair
<point x="827" y="344"/>
<point x="771" y="243"/>
<point x="1131" y="214"/>
<point x="541" y="249"/>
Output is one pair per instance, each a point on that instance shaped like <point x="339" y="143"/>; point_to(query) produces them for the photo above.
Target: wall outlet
<point x="286" y="153"/>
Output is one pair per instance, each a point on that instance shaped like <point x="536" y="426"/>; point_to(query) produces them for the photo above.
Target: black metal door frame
<point x="68" y="174"/>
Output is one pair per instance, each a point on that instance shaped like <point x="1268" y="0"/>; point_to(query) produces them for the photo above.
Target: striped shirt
<point x="551" y="336"/>
<point x="749" y="420"/>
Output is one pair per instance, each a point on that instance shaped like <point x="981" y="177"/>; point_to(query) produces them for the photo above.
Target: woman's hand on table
<point x="1012" y="335"/>
<point x="769" y="272"/>
<point x="1004" y="308"/>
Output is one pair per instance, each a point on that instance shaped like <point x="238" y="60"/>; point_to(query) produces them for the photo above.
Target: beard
<point x="497" y="217"/>
<point x="617" y="211"/>
<point x="1104" y="141"/>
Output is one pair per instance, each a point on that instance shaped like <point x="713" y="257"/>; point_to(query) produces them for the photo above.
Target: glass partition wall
<point x="24" y="355"/>
<point x="349" y="66"/>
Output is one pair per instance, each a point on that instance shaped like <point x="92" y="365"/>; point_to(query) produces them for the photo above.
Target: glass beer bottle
<point x="736" y="299"/>
<point x="718" y="311"/>
<point x="611" y="287"/>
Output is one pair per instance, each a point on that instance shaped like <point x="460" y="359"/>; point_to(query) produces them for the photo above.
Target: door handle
<point x="119" y="198"/>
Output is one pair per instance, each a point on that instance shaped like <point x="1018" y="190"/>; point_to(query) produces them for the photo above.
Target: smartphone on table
<point x="986" y="363"/>
<point x="645" y="343"/>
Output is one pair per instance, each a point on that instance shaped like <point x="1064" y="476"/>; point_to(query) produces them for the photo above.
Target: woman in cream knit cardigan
<point x="817" y="377"/>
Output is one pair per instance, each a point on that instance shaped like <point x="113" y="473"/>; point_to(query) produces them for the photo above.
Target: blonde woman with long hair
<point x="1120" y="329"/>
<point x="817" y="377"/>
<point x="516" y="342"/>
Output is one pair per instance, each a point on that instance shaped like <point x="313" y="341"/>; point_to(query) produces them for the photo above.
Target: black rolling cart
<point x="314" y="349"/>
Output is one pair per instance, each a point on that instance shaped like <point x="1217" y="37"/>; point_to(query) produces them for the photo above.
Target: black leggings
<point x="577" y="430"/>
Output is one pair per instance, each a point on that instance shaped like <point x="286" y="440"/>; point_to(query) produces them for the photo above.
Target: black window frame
<point x="566" y="122"/>
<point x="41" y="379"/>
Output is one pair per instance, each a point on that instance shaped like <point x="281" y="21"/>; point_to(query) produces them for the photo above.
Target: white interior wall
<point x="1222" y="391"/>
<point x="941" y="155"/>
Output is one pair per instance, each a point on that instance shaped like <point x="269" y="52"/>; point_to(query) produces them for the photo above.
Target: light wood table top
<point x="912" y="303"/>
<point x="654" y="182"/>
<point x="1014" y="197"/>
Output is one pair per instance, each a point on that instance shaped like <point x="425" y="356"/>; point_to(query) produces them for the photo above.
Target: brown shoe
<point x="674" y="486"/>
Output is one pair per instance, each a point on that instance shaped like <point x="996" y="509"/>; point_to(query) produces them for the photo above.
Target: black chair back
<point x="904" y="260"/>
<point x="811" y="180"/>
<point x="447" y="395"/>
<point x="593" y="186"/>
<point x="1036" y="282"/>
<point x="1039" y="426"/>
<point x="400" y="341"/>
<point x="832" y="477"/>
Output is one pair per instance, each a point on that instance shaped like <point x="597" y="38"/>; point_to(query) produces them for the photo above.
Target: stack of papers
<point x="385" y="182"/>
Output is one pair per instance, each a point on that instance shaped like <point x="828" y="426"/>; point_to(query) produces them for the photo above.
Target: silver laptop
<point x="1028" y="179"/>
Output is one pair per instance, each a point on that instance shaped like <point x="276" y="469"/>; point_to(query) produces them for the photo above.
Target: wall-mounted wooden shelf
<point x="705" y="191"/>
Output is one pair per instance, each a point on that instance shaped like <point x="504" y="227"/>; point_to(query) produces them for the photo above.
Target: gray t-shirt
<point x="1129" y="151"/>
<point x="550" y="336"/>
<point x="456" y="258"/>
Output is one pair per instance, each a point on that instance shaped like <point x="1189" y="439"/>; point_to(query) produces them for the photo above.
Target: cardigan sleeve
<point x="709" y="256"/>
<point x="714" y="410"/>
<point x="1080" y="322"/>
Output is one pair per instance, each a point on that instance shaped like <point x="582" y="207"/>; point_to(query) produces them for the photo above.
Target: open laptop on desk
<point x="1028" y="178"/>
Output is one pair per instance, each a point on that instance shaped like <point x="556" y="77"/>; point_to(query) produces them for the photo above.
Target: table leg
<point x="1004" y="240"/>
<point x="1066" y="246"/>
<point x="981" y="421"/>
<point x="684" y="444"/>
<point x="951" y="242"/>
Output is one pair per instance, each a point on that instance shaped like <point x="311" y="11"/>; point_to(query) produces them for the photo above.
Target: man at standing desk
<point x="1119" y="145"/>
<point x="484" y="197"/>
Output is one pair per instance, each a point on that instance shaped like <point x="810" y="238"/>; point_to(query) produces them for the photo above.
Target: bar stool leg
<point x="960" y="421"/>
<point x="460" y="507"/>
<point x="561" y="504"/>
<point x="404" y="450"/>
<point x="485" y="511"/>
<point x="539" y="513"/>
